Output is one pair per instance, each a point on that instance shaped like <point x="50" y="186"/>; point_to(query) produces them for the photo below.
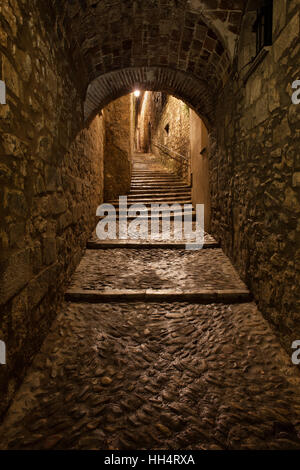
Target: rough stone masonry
<point x="62" y="62"/>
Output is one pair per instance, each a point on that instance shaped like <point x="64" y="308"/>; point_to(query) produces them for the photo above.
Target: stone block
<point x="3" y="38"/>
<point x="255" y="85"/>
<point x="291" y="201"/>
<point x="5" y="172"/>
<point x="273" y="95"/>
<point x="39" y="286"/>
<point x="24" y="65"/>
<point x="17" y="234"/>
<point x="294" y="116"/>
<point x="52" y="178"/>
<point x="57" y="205"/>
<point x="284" y="42"/>
<point x="281" y="131"/>
<point x="261" y="110"/>
<point x="15" y="201"/>
<point x="15" y="273"/>
<point x="36" y="257"/>
<point x="293" y="5"/>
<point x="12" y="145"/>
<point x="44" y="147"/>
<point x="39" y="185"/>
<point x="296" y="179"/>
<point x="10" y="17"/>
<point x="49" y="249"/>
<point x="10" y="77"/>
<point x="279" y="16"/>
<point x="65" y="220"/>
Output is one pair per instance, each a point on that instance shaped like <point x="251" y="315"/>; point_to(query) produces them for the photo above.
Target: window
<point x="167" y="128"/>
<point x="263" y="25"/>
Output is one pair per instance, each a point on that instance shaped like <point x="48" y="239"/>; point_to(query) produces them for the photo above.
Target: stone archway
<point x="161" y="45"/>
<point x="186" y="87"/>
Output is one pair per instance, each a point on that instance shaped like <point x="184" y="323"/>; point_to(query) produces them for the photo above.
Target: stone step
<point x="153" y="179"/>
<point x="157" y="176"/>
<point x="140" y="184"/>
<point x="173" y="216"/>
<point x="209" y="241"/>
<point x="167" y="186"/>
<point x="156" y="181"/>
<point x="206" y="274"/>
<point x="144" y="244"/>
<point x="148" y="202"/>
<point x="201" y="296"/>
<point x="152" y="174"/>
<point x="158" y="208"/>
<point x="161" y="186"/>
<point x="161" y="196"/>
<point x="152" y="170"/>
<point x="159" y="189"/>
<point x="157" y="200"/>
<point x="178" y="198"/>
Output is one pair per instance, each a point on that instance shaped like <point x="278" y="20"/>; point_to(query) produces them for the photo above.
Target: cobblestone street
<point x="174" y="375"/>
<point x="149" y="228"/>
<point x="156" y="268"/>
<point x="150" y="376"/>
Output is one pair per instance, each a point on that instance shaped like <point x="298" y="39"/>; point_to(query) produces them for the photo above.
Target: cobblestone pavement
<point x="157" y="269"/>
<point x="155" y="239"/>
<point x="171" y="376"/>
<point x="146" y="375"/>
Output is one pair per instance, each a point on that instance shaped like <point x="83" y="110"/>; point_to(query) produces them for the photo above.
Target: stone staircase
<point x="139" y="268"/>
<point x="149" y="186"/>
<point x="157" y="347"/>
<point x="153" y="184"/>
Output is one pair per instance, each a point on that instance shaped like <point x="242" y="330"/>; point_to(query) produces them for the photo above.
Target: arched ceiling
<point x="110" y="86"/>
<point x="194" y="37"/>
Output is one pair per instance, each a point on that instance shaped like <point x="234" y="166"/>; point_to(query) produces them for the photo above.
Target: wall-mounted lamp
<point x="137" y="93"/>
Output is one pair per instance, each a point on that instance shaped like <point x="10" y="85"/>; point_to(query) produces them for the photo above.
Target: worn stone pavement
<point x="146" y="375"/>
<point x="169" y="376"/>
<point x="155" y="268"/>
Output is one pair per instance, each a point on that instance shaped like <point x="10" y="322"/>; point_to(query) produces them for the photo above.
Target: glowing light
<point x="137" y="93"/>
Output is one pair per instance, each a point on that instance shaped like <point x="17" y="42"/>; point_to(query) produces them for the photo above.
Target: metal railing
<point x="171" y="153"/>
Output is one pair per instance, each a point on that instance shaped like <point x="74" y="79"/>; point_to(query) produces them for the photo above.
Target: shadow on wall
<point x="118" y="147"/>
<point x="48" y="212"/>
<point x="200" y="165"/>
<point x="50" y="201"/>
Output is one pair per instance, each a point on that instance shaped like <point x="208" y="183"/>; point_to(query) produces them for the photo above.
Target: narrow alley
<point x="157" y="347"/>
<point x="149" y="225"/>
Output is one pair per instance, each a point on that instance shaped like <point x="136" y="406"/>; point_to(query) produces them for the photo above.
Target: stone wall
<point x="51" y="179"/>
<point x="118" y="147"/>
<point x="50" y="182"/>
<point x="165" y="120"/>
<point x="143" y="121"/>
<point x="253" y="169"/>
<point x="200" y="166"/>
<point x="172" y="129"/>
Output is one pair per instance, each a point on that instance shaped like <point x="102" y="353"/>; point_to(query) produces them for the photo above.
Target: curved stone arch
<point x="193" y="36"/>
<point x="182" y="85"/>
